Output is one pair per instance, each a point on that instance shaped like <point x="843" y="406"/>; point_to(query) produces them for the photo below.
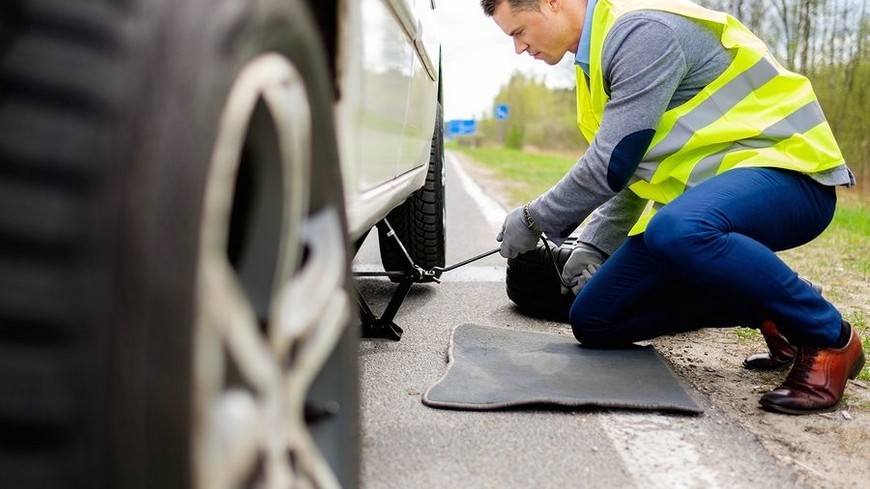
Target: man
<point x="687" y="111"/>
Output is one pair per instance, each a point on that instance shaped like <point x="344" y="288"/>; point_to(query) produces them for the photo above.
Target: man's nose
<point x="520" y="46"/>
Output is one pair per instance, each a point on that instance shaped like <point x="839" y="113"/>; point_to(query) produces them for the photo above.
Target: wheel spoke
<point x="303" y="302"/>
<point x="238" y="327"/>
<point x="310" y="315"/>
<point x="235" y="427"/>
<point x="233" y="430"/>
<point x="294" y="136"/>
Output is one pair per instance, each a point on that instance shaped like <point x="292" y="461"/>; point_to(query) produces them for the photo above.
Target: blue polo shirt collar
<point x="582" y="57"/>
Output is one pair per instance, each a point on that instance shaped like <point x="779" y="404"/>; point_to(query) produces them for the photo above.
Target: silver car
<point x="182" y="183"/>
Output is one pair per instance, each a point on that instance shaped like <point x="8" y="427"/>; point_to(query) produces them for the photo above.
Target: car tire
<point x="421" y="221"/>
<point x="533" y="285"/>
<point x="174" y="297"/>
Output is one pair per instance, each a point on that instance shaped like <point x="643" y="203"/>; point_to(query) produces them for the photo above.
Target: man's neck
<point x="576" y="10"/>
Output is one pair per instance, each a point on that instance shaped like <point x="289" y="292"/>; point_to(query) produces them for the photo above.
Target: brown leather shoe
<point x="818" y="379"/>
<point x="781" y="353"/>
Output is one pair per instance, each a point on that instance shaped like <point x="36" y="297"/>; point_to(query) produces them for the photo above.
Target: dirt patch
<point x="828" y="450"/>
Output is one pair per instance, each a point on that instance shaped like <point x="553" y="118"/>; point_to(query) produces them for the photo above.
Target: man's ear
<point x="554" y="4"/>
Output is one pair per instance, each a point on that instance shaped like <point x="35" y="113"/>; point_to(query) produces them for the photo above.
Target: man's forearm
<point x="561" y="209"/>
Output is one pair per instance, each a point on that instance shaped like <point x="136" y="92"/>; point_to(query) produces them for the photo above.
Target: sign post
<point x="501" y="113"/>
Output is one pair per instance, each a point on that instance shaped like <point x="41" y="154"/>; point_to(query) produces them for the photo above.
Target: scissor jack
<point x="383" y="326"/>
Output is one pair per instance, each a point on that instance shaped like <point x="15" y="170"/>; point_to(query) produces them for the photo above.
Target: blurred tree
<point x="540" y="117"/>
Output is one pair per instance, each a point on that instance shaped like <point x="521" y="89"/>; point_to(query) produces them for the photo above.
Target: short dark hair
<point x="489" y="6"/>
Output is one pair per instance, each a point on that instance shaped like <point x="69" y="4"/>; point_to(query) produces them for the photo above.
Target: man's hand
<point x="581" y="266"/>
<point x="517" y="235"/>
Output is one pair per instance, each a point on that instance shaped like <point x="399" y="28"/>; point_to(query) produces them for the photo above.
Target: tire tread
<point x="532" y="284"/>
<point x="57" y="122"/>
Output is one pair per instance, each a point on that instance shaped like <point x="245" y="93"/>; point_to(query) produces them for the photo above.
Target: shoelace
<point x="806" y="357"/>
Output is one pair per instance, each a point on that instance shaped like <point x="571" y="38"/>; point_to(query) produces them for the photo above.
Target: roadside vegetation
<point x="839" y="259"/>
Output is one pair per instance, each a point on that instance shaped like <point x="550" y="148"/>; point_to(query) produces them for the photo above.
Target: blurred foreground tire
<point x="174" y="287"/>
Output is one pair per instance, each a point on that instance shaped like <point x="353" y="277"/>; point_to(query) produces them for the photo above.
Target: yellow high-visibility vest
<point x="755" y="114"/>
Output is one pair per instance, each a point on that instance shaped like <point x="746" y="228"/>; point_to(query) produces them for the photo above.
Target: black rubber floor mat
<point x="495" y="368"/>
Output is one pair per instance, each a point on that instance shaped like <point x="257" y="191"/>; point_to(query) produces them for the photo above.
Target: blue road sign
<point x="461" y="127"/>
<point x="502" y="111"/>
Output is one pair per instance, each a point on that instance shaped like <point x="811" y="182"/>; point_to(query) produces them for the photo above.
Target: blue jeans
<point x="708" y="259"/>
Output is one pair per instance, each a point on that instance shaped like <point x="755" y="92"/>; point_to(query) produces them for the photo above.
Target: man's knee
<point x="589" y="331"/>
<point x="671" y="234"/>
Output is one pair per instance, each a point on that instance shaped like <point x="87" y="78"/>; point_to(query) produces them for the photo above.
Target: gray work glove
<point x="517" y="235"/>
<point x="581" y="266"/>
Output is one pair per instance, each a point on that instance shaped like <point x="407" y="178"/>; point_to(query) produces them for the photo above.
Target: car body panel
<point x="385" y="115"/>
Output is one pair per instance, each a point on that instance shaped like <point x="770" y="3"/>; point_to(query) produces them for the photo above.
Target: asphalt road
<point x="408" y="445"/>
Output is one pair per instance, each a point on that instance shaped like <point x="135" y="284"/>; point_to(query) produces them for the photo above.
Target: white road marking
<point x="492" y="211"/>
<point x="656" y="454"/>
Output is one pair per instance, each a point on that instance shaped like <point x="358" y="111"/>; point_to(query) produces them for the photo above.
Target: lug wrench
<point x="496" y="250"/>
<point x="464" y="262"/>
<point x="384" y="327"/>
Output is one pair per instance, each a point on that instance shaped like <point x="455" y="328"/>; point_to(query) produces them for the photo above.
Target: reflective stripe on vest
<point x="755" y="114"/>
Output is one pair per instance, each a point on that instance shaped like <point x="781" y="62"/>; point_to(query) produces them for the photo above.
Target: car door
<point x="388" y="62"/>
<point x="399" y="85"/>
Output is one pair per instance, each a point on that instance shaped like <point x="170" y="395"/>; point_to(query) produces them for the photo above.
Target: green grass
<point x="531" y="174"/>
<point x="839" y="259"/>
<point x="747" y="333"/>
<point x="849" y="233"/>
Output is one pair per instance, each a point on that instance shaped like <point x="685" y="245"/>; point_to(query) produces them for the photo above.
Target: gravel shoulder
<point x="828" y="450"/>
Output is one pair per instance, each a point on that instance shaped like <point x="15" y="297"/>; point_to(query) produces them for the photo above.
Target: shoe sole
<point x="785" y="410"/>
<point x="781" y="366"/>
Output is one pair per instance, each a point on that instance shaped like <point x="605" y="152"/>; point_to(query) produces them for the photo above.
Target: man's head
<point x="546" y="29"/>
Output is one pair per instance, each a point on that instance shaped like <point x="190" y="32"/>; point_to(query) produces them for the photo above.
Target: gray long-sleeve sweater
<point x="652" y="61"/>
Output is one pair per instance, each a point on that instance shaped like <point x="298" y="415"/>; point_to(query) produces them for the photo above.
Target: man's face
<point x="542" y="33"/>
